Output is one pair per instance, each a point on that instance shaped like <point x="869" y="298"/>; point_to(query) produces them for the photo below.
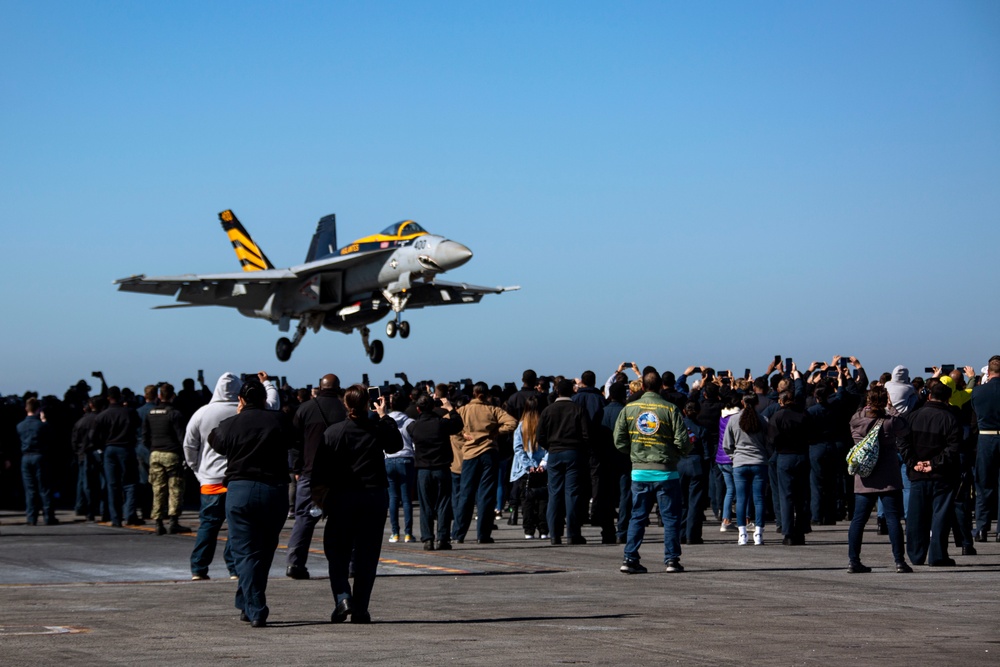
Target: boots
<point x="742" y="540"/>
<point x="758" y="536"/>
<point x="176" y="528"/>
<point x="160" y="529"/>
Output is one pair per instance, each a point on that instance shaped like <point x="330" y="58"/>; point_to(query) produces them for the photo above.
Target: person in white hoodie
<point x="904" y="398"/>
<point x="210" y="467"/>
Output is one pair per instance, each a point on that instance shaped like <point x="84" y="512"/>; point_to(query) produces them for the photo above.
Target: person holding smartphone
<point x="350" y="481"/>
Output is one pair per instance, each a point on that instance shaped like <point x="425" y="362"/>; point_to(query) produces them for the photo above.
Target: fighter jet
<point x="341" y="289"/>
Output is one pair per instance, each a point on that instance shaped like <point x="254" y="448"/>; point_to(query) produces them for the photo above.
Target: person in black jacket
<point x="432" y="457"/>
<point x="789" y="431"/>
<point x="255" y="443"/>
<point x="350" y="481"/>
<point x="931" y="452"/>
<point x="115" y="432"/>
<point x="564" y="430"/>
<point x="310" y="422"/>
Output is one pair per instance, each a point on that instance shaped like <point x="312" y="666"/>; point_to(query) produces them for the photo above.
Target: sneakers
<point x="632" y="567"/>
<point x="758" y="536"/>
<point x="543" y="536"/>
<point x="409" y="538"/>
<point x="858" y="568"/>
<point x="394" y="538"/>
<point x="726" y="525"/>
<point x="674" y="565"/>
<point x="529" y="537"/>
<point x="742" y="539"/>
<point x="200" y="577"/>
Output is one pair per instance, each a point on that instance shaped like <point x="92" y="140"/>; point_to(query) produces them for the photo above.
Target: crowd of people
<point x="552" y="456"/>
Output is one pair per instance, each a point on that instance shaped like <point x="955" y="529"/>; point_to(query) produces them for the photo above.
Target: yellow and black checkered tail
<point x="251" y="257"/>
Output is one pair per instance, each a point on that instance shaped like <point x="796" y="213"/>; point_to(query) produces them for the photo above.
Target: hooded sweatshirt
<point x="902" y="395"/>
<point x="208" y="465"/>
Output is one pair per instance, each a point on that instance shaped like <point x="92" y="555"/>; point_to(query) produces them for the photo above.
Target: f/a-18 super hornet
<point x="341" y="289"/>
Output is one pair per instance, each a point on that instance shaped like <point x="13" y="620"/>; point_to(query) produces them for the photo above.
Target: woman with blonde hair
<point x="528" y="469"/>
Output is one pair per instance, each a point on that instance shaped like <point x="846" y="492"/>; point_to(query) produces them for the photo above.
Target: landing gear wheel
<point x="404" y="329"/>
<point x="284" y="349"/>
<point x="390" y="329"/>
<point x="376" y="351"/>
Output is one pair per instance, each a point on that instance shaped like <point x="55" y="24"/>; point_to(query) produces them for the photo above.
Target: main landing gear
<point x="392" y="327"/>
<point x="285" y="347"/>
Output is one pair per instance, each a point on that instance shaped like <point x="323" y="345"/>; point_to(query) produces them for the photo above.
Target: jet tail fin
<point x="324" y="241"/>
<point x="251" y="257"/>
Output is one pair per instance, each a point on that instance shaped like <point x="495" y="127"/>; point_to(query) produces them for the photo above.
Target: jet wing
<point x="237" y="290"/>
<point x="243" y="289"/>
<point x="440" y="293"/>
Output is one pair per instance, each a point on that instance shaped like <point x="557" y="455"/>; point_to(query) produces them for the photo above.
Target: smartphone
<point x="746" y="374"/>
<point x="309" y="387"/>
<point x="726" y="380"/>
<point x="627" y="364"/>
<point x="284" y="381"/>
<point x="832" y="373"/>
<point x="373" y="394"/>
<point x="723" y="374"/>
<point x="788" y="365"/>
<point x="399" y="375"/>
<point x="777" y="360"/>
<point x="364" y="379"/>
<point x="928" y="369"/>
<point x="201" y="375"/>
<point x="843" y="362"/>
<point x="947" y="368"/>
<point x="96" y="374"/>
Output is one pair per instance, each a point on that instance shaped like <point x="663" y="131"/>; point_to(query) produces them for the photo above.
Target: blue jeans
<point x="565" y="470"/>
<point x="256" y="512"/>
<point x="305" y="524"/>
<point x="863" y="503"/>
<point x="402" y="478"/>
<point x="667" y="496"/>
<point x="354" y="526"/>
<point x="727" y="477"/>
<point x="751" y="478"/>
<point x="121" y="472"/>
<point x="210" y="518"/>
<point x="434" y="488"/>
<point x="479" y="479"/>
<point x="906" y="494"/>
<point x="37" y="494"/>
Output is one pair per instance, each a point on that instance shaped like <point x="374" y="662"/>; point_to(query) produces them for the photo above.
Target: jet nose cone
<point x="450" y="254"/>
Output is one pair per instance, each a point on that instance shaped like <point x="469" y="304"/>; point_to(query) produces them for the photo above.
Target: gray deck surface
<point x="82" y="594"/>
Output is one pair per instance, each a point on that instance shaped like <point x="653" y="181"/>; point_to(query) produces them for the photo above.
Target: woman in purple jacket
<point x="885" y="482"/>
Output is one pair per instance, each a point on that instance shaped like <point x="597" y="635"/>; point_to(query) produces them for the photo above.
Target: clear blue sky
<point x="670" y="183"/>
